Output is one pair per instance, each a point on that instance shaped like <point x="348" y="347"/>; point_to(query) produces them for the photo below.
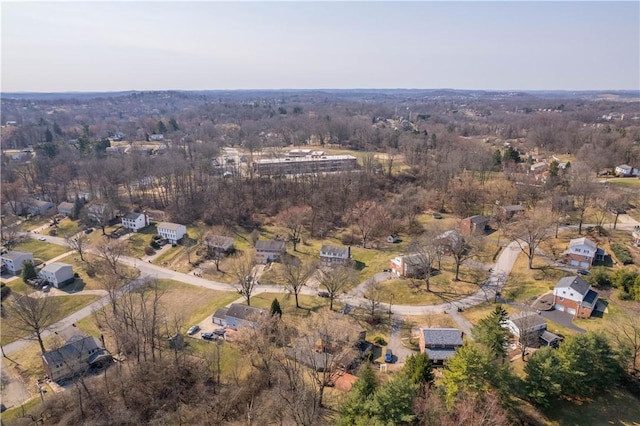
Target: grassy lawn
<point x="442" y="288"/>
<point x="32" y="406"/>
<point x="67" y="227"/>
<point x="308" y="304"/>
<point x="625" y="182"/>
<point x="66" y="306"/>
<point x="41" y="249"/>
<point x="19" y="285"/>
<point x="524" y="283"/>
<point x="617" y="407"/>
<point x="141" y="239"/>
<point x="84" y="282"/>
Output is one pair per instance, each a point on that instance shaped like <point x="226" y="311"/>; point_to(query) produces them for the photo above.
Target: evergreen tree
<point x="470" y="369"/>
<point x="48" y="136"/>
<point x="162" y="129"/>
<point x="497" y="158"/>
<point x="392" y="404"/>
<point x="28" y="270"/>
<point x="56" y="129"/>
<point x="173" y="124"/>
<point x="355" y="410"/>
<point x="419" y="369"/>
<point x="492" y="333"/>
<point x="543" y="382"/>
<point x="275" y="308"/>
<point x="77" y="208"/>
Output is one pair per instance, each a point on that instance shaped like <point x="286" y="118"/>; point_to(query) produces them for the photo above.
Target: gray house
<point x="13" y="260"/>
<point x="269" y="250"/>
<point x="238" y="315"/>
<point x="76" y="358"/>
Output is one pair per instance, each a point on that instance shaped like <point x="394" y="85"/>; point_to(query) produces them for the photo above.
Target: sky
<point x="179" y="45"/>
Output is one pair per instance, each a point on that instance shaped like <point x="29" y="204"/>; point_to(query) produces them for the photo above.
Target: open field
<point x="625" y="182"/>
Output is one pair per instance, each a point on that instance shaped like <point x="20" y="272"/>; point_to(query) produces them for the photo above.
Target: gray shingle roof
<point x="270" y="245"/>
<point x="442" y="336"/>
<point x="170" y="226"/>
<point x="218" y="241"/>
<point x="575" y="283"/>
<point x="527" y="320"/>
<point x="55" y="267"/>
<point x="440" y="354"/>
<point x="244" y="312"/>
<point x="477" y="219"/>
<point x="514" y="208"/>
<point x="74" y="348"/>
<point x="334" y="250"/>
<point x="132" y="216"/>
<point x="13" y="255"/>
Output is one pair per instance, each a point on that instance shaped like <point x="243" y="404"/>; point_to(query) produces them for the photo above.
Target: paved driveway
<point x="562" y="318"/>
<point x="400" y="352"/>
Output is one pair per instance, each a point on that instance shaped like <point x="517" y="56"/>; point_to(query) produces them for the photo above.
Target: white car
<point x="193" y="330"/>
<point x="42" y="239"/>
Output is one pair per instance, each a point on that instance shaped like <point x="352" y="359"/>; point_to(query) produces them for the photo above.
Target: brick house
<point x="440" y="343"/>
<point x="474" y="224"/>
<point x="407" y="265"/>
<point x="335" y="255"/>
<point x="582" y="252"/>
<point x="508" y="212"/>
<point x="574" y="296"/>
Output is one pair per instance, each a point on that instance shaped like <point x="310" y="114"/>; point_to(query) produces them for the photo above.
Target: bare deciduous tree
<point x="373" y="294"/>
<point x="336" y="279"/>
<point x="294" y="219"/>
<point x="110" y="252"/>
<point x="529" y="232"/>
<point x="78" y="242"/>
<point x="243" y="270"/>
<point x="295" y="273"/>
<point x="32" y="315"/>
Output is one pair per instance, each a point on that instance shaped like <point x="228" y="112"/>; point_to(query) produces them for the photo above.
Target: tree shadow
<point x="77" y="285"/>
<point x="359" y="266"/>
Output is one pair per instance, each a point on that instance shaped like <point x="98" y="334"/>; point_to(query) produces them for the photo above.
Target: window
<point x="561" y="299"/>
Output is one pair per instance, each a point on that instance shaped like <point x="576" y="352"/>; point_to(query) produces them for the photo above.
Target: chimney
<point x="146" y="218"/>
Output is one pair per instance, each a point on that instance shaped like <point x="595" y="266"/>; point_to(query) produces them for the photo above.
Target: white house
<point x="526" y="323"/>
<point x="582" y="252"/>
<point x="238" y="315"/>
<point x="135" y="221"/>
<point x="57" y="274"/>
<point x="157" y="137"/>
<point x="13" y="261"/>
<point x="625" y="170"/>
<point x="539" y="167"/>
<point x="173" y="232"/>
<point x="269" y="250"/>
<point x="334" y="255"/>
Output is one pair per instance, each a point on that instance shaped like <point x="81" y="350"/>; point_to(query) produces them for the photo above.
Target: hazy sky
<point x="100" y="46"/>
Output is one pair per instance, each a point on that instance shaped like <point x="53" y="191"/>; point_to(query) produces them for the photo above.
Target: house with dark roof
<point x="526" y="327"/>
<point x="135" y="221"/>
<point x="76" y="358"/>
<point x="269" y="250"/>
<point x="335" y="255"/>
<point x="218" y="243"/>
<point x="39" y="207"/>
<point x="440" y="343"/>
<point x="574" y="296"/>
<point x="408" y="265"/>
<point x="65" y="208"/>
<point x="476" y="224"/>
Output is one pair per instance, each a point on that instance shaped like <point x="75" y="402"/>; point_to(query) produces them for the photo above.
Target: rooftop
<point x="335" y="250"/>
<point x="574" y="283"/>
<point x="304" y="159"/>
<point x="13" y="255"/>
<point x="170" y="226"/>
<point x="270" y="245"/>
<point x="244" y="312"/>
<point x="132" y="215"/>
<point x="55" y="267"/>
<point x="442" y="336"/>
<point x="74" y="348"/>
<point x="527" y="320"/>
<point x="583" y="242"/>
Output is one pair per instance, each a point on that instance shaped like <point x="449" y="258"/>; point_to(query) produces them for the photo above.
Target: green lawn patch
<point x="41" y="249"/>
<point x="308" y="304"/>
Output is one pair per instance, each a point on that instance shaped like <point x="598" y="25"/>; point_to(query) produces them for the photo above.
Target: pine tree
<point x="491" y="332"/>
<point x="419" y="369"/>
<point x="28" y="270"/>
<point x="275" y="308"/>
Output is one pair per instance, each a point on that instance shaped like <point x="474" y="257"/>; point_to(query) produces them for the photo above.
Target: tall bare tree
<point x="373" y="294"/>
<point x="295" y="273"/>
<point x="337" y="279"/>
<point x="530" y="231"/>
<point x="31" y="315"/>
<point x="110" y="251"/>
<point x="244" y="271"/>
<point x="78" y="242"/>
<point x="425" y="251"/>
<point x="584" y="189"/>
<point x="295" y="219"/>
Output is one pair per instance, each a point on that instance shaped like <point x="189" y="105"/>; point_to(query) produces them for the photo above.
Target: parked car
<point x="323" y="293"/>
<point x="45" y="289"/>
<point x="42" y="239"/>
<point x="437" y="216"/>
<point x="582" y="272"/>
<point x="193" y="330"/>
<point x="88" y="230"/>
<point x="388" y="356"/>
<point x="219" y="332"/>
<point x="208" y="336"/>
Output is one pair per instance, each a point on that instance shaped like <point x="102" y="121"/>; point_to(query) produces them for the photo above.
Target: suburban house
<point x="238" y="315"/>
<point x="157" y="137"/>
<point x="65" y="208"/>
<point x="582" y="252"/>
<point x="574" y="296"/>
<point x="100" y="212"/>
<point x="38" y="207"/>
<point x="448" y="240"/>
<point x="508" y="212"/>
<point x="440" y="343"/>
<point x="172" y="232"/>
<point x="13" y="260"/>
<point x="624" y="170"/>
<point x="562" y="203"/>
<point x="407" y="265"/>
<point x="474" y="224"/>
<point x="135" y="221"/>
<point x="218" y="243"/>
<point x="526" y="326"/>
<point x="76" y="358"/>
<point x="335" y="255"/>
<point x="540" y="167"/>
<point x="57" y="274"/>
<point x="269" y="250"/>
